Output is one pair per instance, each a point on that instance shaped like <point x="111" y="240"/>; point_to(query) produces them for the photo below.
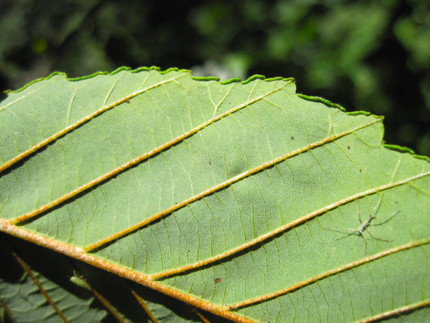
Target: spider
<point x="365" y="225"/>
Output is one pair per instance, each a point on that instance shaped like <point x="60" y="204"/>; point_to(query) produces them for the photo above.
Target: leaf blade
<point x="242" y="181"/>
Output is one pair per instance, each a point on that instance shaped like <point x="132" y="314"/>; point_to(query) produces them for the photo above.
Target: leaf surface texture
<point x="226" y="196"/>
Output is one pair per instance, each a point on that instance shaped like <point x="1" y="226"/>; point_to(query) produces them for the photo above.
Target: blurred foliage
<point x="364" y="55"/>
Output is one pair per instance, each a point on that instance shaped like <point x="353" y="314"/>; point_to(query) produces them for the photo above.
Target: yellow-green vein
<point x="121" y="168"/>
<point x="286" y="227"/>
<point x="396" y="312"/>
<point x="80" y="122"/>
<point x="220" y="186"/>
<point x="41" y="289"/>
<point x="327" y="274"/>
<point x="145" y="308"/>
<point x="20" y="98"/>
<point x="79" y="254"/>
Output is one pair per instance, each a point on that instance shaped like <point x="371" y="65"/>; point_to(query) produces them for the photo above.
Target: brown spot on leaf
<point x="217" y="280"/>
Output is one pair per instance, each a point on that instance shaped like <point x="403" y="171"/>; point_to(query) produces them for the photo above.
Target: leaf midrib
<point x="143" y="279"/>
<point x="224" y="311"/>
<point x="148" y="280"/>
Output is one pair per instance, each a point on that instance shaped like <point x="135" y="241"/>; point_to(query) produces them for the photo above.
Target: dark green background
<point x="363" y="55"/>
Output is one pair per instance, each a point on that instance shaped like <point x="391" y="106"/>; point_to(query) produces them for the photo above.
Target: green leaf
<point x="21" y="295"/>
<point x="165" y="190"/>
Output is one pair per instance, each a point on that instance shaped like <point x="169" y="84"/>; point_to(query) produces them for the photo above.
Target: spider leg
<point x="346" y="235"/>
<point x="376" y="209"/>
<point x="376" y="238"/>
<point x="339" y="231"/>
<point x="365" y="244"/>
<point x="392" y="216"/>
<point x="358" y="209"/>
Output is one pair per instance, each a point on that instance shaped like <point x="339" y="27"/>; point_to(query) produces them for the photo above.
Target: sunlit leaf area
<point x="364" y="55"/>
<point x="214" y="161"/>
